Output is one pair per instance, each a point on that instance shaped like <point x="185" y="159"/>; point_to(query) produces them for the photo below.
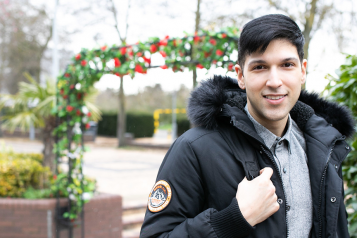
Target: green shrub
<point x="344" y="90"/>
<point x="108" y="125"/>
<point x="23" y="176"/>
<point x="19" y="172"/>
<point x="140" y="124"/>
<point x="183" y="124"/>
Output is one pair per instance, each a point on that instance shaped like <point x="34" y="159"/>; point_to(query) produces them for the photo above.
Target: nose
<point x="274" y="80"/>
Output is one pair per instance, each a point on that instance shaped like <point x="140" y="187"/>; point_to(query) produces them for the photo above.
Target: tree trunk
<point x="194" y="78"/>
<point x="193" y="53"/>
<point x="309" y="22"/>
<point x="121" y="124"/>
<point x="48" y="141"/>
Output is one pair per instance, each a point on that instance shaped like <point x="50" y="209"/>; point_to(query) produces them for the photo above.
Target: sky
<point x="147" y="20"/>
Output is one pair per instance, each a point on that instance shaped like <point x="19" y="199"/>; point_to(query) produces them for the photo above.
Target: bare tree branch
<point x="127" y="20"/>
<point x="116" y="25"/>
<point x="325" y="9"/>
<point x="278" y="6"/>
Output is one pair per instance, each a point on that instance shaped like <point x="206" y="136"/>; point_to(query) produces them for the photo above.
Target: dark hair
<point x="258" y="33"/>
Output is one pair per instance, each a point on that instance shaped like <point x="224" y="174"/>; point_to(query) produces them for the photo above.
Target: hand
<point x="256" y="198"/>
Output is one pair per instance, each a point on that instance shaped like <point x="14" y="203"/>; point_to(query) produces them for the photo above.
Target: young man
<point x="265" y="158"/>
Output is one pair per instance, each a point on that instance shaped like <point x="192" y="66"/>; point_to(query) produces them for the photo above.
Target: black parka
<point x="203" y="169"/>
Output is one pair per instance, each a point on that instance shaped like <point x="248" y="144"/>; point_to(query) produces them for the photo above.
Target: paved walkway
<point x="130" y="172"/>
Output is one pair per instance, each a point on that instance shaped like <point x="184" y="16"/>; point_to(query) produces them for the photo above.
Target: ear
<point x="239" y="72"/>
<point x="303" y="71"/>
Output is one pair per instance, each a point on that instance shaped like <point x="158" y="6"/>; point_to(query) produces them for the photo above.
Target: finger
<point x="267" y="172"/>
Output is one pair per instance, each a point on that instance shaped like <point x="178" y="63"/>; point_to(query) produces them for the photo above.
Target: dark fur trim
<point x="301" y="113"/>
<point x="339" y="116"/>
<point x="206" y="101"/>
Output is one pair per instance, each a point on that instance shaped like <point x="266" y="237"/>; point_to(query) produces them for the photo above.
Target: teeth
<point x="274" y="97"/>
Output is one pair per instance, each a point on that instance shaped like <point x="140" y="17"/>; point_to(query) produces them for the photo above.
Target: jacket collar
<point x="207" y="100"/>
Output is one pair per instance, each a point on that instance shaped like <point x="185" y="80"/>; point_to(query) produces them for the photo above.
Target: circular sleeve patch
<point x="160" y="196"/>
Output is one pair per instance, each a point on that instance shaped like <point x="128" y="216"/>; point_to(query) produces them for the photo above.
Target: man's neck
<point x="278" y="128"/>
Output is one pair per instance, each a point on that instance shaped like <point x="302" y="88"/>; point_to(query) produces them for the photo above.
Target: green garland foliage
<point x="344" y="90"/>
<point x="87" y="67"/>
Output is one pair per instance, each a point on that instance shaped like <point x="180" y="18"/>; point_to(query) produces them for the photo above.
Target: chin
<point x="276" y="116"/>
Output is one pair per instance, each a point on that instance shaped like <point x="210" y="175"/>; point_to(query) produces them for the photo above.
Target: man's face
<point x="273" y="82"/>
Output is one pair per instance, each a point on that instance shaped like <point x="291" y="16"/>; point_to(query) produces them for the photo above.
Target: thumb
<point x="244" y="180"/>
<point x="267" y="172"/>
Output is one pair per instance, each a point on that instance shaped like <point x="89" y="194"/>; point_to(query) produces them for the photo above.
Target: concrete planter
<point x="24" y="218"/>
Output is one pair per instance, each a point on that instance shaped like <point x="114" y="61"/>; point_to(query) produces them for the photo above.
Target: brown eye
<point x="258" y="67"/>
<point x="288" y="65"/>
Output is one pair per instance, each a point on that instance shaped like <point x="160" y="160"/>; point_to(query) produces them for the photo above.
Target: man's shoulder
<point x="197" y="133"/>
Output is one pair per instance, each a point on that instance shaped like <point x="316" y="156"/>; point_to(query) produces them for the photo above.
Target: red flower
<point x="213" y="41"/>
<point x="214" y="62"/>
<point x="139" y="54"/>
<point x="230" y="66"/>
<point x="79" y="96"/>
<point x="65" y="96"/>
<point x="117" y="62"/>
<point x="153" y="48"/>
<point x="54" y="177"/>
<point x="78" y="112"/>
<point x="103" y="48"/>
<point x="196" y="39"/>
<point x="200" y="66"/>
<point x="147" y="60"/>
<point x="167" y="37"/>
<point x="219" y="52"/>
<point x="123" y="50"/>
<point x="67" y="75"/>
<point x="72" y="86"/>
<point x="206" y="54"/>
<point x="163" y="42"/>
<point x="83" y="63"/>
<point x="120" y="75"/>
<point x="69" y="108"/>
<point x="131" y="53"/>
<point x="139" y="69"/>
<point x="174" y="42"/>
<point x="89" y="114"/>
<point x="62" y="91"/>
<point x="224" y="35"/>
<point x="164" y="67"/>
<point x="163" y="53"/>
<point x="87" y="126"/>
<point x="181" y="54"/>
<point x="78" y="57"/>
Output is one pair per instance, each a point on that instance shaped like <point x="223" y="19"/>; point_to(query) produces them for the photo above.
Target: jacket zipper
<point x="281" y="181"/>
<point x="322" y="180"/>
<point x="233" y="121"/>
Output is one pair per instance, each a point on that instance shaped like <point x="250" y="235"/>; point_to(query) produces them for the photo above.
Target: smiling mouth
<point x="274" y="97"/>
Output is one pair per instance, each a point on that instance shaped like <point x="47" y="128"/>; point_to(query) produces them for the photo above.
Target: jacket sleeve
<point x="187" y="214"/>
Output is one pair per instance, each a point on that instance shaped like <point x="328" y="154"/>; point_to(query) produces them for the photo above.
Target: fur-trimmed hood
<point x="206" y="101"/>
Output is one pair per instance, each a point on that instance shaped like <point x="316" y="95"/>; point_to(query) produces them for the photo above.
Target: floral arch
<point x="192" y="51"/>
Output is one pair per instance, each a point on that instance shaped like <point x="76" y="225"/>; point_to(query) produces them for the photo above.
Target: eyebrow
<point x="264" y="62"/>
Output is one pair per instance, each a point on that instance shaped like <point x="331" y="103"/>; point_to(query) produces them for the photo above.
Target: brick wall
<point x="22" y="218"/>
